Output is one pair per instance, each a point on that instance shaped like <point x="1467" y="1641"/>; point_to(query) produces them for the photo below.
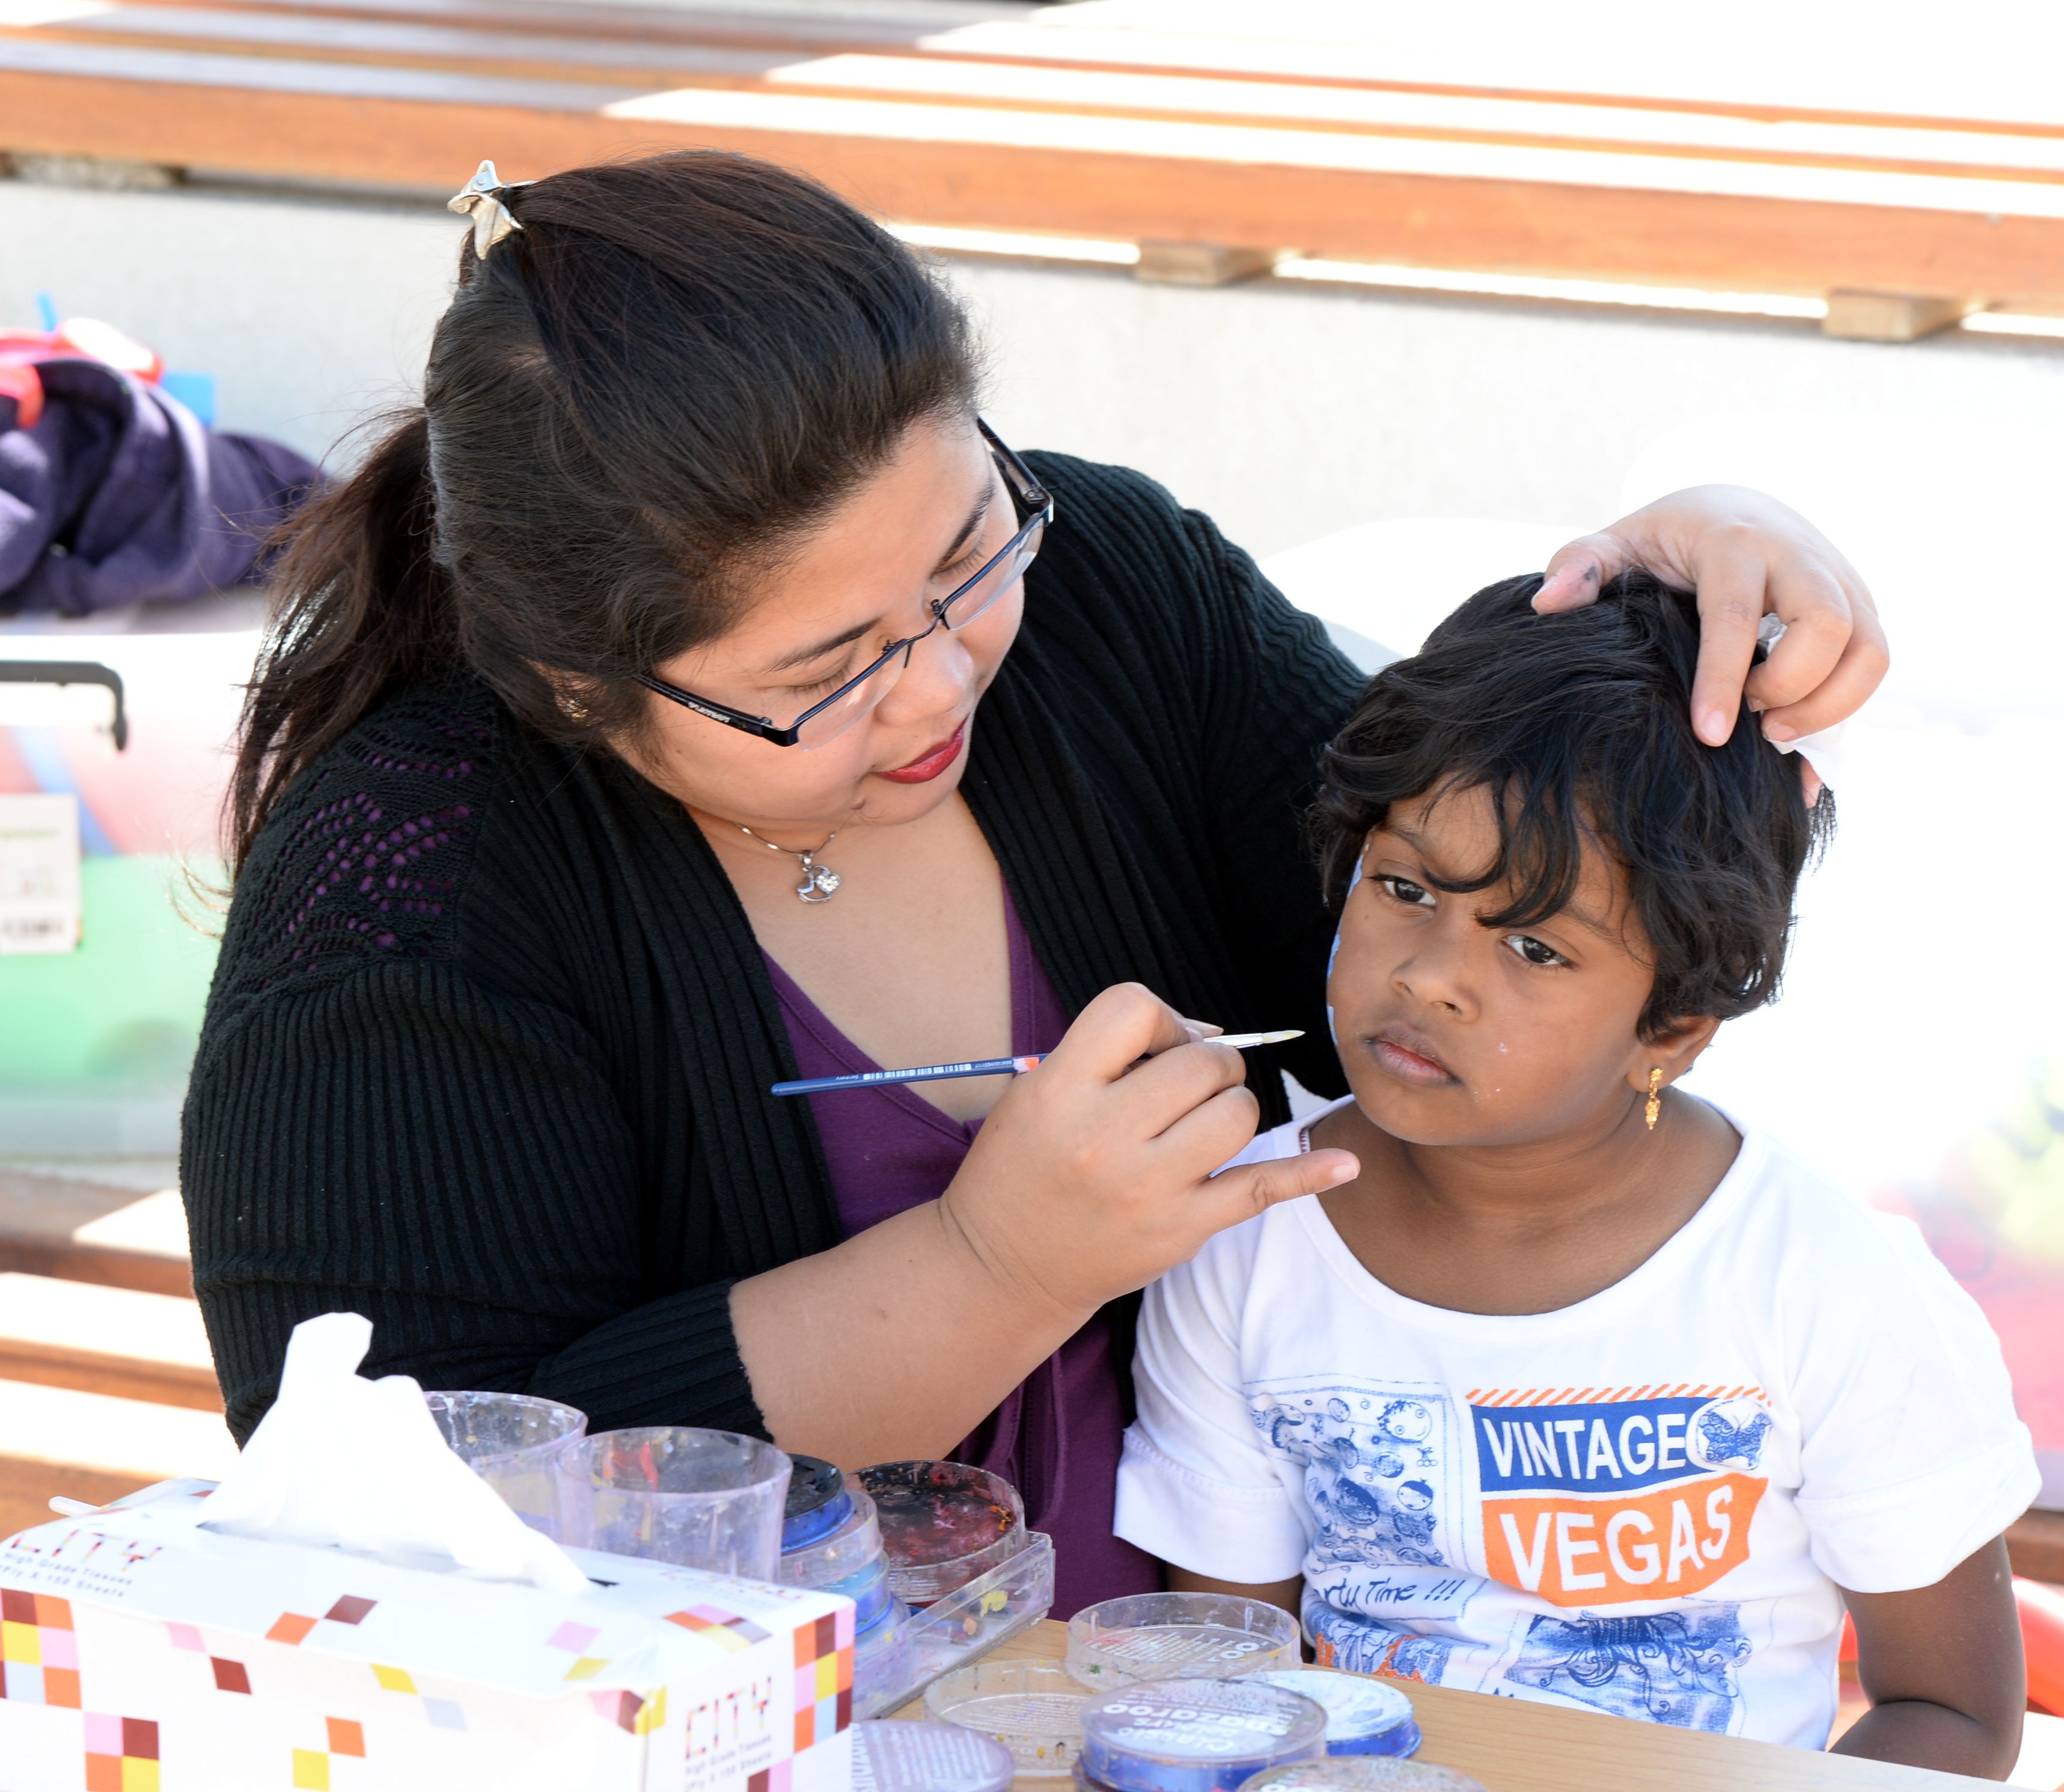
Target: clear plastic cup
<point x="515" y="1443"/>
<point x="669" y="1493"/>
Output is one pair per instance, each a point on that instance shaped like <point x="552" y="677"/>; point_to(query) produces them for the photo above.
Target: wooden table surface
<point x="1514" y="1746"/>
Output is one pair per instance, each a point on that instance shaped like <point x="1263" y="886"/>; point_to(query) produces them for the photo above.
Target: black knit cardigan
<point x="487" y="1053"/>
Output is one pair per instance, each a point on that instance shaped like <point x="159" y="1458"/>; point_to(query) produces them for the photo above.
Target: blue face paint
<point x="1195" y="1735"/>
<point x="1354" y="877"/>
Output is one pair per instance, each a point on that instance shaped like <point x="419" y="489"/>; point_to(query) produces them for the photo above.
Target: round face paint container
<point x="890" y="1756"/>
<point x="1035" y="1709"/>
<point x="1363" y="1716"/>
<point x="1167" y="1636"/>
<point x="818" y="1502"/>
<point x="1195" y="1735"/>
<point x="834" y="1544"/>
<point x="943" y="1525"/>
<point x="1362" y="1774"/>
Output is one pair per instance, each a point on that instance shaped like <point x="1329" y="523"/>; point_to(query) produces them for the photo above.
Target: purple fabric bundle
<point x="119" y="495"/>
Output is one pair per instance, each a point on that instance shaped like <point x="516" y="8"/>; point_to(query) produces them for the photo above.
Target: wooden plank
<point x="27" y="1488"/>
<point x="1514" y="1745"/>
<point x="1507" y="120"/>
<point x="1059" y="42"/>
<point x="1507" y="226"/>
<point x="53" y="1226"/>
<point x="99" y="1372"/>
<point x="104" y="1340"/>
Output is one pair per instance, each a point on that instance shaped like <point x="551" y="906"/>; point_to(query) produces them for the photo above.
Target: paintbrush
<point x="989" y="1066"/>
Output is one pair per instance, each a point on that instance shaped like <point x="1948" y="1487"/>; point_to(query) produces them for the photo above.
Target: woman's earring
<point x="573" y="709"/>
<point x="1654" y="1109"/>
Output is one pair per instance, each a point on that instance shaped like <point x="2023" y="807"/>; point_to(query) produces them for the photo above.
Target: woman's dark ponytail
<point x="364" y="610"/>
<point x="674" y="366"/>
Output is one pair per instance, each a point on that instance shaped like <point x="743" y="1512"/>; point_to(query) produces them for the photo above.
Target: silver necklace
<point x="820" y="883"/>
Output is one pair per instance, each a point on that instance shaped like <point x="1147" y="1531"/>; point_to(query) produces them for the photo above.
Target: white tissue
<point x="344" y="1463"/>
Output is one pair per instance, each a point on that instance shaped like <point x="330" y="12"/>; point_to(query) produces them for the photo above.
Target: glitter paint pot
<point x="1035" y="1709"/>
<point x="1170" y="1636"/>
<point x="1363" y="1716"/>
<point x="1362" y="1774"/>
<point x="1195" y="1735"/>
<point x="943" y="1524"/>
<point x="893" y="1756"/>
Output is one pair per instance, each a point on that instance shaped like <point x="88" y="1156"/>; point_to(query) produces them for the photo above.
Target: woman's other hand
<point x="1093" y="1174"/>
<point x="1745" y="554"/>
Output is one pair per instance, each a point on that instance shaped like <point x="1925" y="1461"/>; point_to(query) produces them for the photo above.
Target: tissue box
<point x="140" y="1652"/>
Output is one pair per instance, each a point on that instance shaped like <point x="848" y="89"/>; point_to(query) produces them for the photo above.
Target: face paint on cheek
<point x="1353" y="878"/>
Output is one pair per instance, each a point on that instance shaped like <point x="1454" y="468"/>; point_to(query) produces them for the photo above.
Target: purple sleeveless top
<point x="1055" y="1437"/>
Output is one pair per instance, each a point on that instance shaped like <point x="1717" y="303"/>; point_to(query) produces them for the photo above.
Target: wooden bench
<point x="1124" y="120"/>
<point x="106" y="1381"/>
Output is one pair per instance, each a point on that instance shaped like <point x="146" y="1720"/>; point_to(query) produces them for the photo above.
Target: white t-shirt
<point x="1643" y="1504"/>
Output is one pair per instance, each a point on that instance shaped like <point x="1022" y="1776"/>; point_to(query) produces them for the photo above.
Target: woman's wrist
<point x="1007" y="1284"/>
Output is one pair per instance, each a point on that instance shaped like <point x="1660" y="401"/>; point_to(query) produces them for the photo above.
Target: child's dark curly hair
<point x="1579" y="725"/>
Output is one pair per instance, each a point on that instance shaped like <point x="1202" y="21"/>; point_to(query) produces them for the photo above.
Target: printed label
<point x="1603" y="1502"/>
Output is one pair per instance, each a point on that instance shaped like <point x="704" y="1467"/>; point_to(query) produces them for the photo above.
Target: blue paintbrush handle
<point x="984" y="1067"/>
<point x="925" y="1073"/>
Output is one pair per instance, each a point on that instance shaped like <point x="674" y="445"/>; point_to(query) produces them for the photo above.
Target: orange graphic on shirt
<point x="1660" y="1543"/>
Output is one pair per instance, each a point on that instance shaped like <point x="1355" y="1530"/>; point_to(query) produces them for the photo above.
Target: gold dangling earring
<point x="1654" y="1109"/>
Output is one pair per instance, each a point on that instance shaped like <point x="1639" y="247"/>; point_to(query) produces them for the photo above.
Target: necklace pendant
<point x="820" y="883"/>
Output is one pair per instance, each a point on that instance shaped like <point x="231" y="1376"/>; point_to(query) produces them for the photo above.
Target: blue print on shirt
<point x="1377" y="1468"/>
<point x="1674" y="1667"/>
<point x="1363" y="1645"/>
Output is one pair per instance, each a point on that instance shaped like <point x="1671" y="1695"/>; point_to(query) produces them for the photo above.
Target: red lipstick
<point x="932" y="762"/>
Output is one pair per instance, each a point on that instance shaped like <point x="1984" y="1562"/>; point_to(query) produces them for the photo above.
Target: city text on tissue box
<point x="145" y="1654"/>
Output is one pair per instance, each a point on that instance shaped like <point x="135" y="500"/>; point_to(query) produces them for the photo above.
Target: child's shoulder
<point x="1820" y="1245"/>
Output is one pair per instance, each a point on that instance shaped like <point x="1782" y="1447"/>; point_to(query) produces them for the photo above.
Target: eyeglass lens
<point x="827" y="724"/>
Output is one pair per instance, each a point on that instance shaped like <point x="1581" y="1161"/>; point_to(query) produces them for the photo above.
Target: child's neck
<point x="1525" y="1228"/>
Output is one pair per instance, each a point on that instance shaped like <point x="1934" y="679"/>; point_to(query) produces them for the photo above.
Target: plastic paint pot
<point x="1169" y="1636"/>
<point x="891" y="1756"/>
<point x="1345" y="1773"/>
<point x="1363" y="1716"/>
<point x="1035" y="1709"/>
<point x="833" y="1544"/>
<point x="1195" y="1735"/>
<point x="943" y="1525"/>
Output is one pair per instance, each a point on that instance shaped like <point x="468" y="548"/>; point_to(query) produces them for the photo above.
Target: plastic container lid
<point x="818" y="1502"/>
<point x="1196" y="1735"/>
<point x="943" y="1524"/>
<point x="1035" y="1709"/>
<point x="1170" y="1636"/>
<point x="1362" y="1774"/>
<point x="890" y="1756"/>
<point x="1363" y="1716"/>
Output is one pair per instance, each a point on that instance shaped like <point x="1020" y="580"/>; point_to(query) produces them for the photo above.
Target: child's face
<point x="1453" y="1032"/>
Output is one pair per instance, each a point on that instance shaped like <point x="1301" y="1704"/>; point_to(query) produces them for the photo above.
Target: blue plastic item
<point x="1363" y="1716"/>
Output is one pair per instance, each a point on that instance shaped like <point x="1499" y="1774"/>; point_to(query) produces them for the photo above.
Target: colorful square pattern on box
<point x="141" y="1653"/>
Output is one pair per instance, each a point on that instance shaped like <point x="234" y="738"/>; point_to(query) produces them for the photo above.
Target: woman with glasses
<point x="694" y="693"/>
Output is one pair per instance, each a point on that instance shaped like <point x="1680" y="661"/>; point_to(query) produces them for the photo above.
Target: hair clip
<point x="480" y="200"/>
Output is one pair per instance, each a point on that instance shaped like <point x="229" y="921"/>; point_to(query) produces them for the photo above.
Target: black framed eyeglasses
<point x="824" y="722"/>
